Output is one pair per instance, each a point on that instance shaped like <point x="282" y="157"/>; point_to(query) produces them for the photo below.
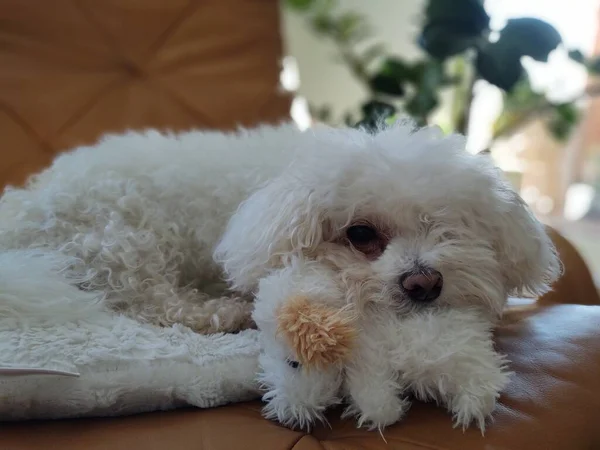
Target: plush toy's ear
<point x="281" y="218"/>
<point x="319" y="335"/>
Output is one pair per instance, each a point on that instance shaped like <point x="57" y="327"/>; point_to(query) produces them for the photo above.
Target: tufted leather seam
<point x="417" y="444"/>
<point x="191" y="110"/>
<point x="310" y="438"/>
<point x="16" y="118"/>
<point x="87" y="107"/>
<point x="105" y="36"/>
<point x="389" y="438"/>
<point x="187" y="12"/>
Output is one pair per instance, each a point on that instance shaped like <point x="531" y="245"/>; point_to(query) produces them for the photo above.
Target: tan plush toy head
<point x="319" y="335"/>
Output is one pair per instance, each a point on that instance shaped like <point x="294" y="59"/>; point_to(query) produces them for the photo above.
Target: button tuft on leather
<point x="132" y="69"/>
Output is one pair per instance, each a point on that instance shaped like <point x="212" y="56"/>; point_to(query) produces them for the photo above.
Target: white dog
<point x="403" y="221"/>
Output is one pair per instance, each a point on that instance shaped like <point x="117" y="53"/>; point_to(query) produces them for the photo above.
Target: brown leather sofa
<point x="74" y="69"/>
<point x="552" y="402"/>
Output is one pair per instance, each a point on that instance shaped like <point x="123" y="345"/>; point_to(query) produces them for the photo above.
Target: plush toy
<point x="318" y="351"/>
<point x="319" y="335"/>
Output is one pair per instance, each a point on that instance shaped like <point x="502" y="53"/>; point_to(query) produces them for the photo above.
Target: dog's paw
<point x="293" y="415"/>
<point x="470" y="409"/>
<point x="376" y="415"/>
<point x="475" y="401"/>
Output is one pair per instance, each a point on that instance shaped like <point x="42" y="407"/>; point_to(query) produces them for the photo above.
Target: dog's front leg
<point x="449" y="356"/>
<point x="374" y="390"/>
<point x="478" y="374"/>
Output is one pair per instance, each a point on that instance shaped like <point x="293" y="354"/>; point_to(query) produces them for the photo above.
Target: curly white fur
<point x="438" y="353"/>
<point x="155" y="222"/>
<point x="140" y="214"/>
<point x="445" y="355"/>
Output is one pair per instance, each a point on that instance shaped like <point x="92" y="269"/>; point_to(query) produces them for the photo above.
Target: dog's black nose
<point x="422" y="285"/>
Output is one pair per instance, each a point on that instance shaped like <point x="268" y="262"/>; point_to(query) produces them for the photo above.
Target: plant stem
<point x="352" y="61"/>
<point x="529" y="115"/>
<point x="462" y="126"/>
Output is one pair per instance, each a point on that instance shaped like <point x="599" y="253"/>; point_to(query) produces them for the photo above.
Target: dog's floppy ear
<point x="280" y="220"/>
<point x="526" y="253"/>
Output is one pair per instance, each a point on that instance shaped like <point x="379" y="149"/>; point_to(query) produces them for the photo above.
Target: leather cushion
<point x="553" y="402"/>
<point x="73" y="70"/>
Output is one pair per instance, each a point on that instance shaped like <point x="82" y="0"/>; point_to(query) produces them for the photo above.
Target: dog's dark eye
<point x="361" y="234"/>
<point x="367" y="240"/>
<point x="293" y="364"/>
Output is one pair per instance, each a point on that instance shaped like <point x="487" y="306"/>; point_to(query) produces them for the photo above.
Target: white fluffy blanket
<point x="94" y="363"/>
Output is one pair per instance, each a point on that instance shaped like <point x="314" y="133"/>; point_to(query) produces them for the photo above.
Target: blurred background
<point x="518" y="77"/>
<point x="541" y="123"/>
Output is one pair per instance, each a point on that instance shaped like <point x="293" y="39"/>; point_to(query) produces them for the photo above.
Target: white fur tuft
<point x="35" y="290"/>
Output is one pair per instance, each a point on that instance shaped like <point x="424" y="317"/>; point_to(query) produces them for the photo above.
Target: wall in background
<point x="323" y="80"/>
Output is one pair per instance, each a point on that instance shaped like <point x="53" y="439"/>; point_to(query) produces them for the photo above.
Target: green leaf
<point x="504" y="71"/>
<point x="525" y="36"/>
<point x="563" y="120"/>
<point x="386" y="84"/>
<point x="399" y="69"/>
<point x="374" y="121"/>
<point x="530" y="37"/>
<point x="577" y="56"/>
<point x="432" y="75"/>
<point x="422" y="104"/>
<point x="391" y="119"/>
<point x="351" y="26"/>
<point x="428" y="77"/>
<point x="375" y="113"/>
<point x="568" y="112"/>
<point x="444" y="40"/>
<point x="522" y="96"/>
<point x="349" y="120"/>
<point x="322" y="113"/>
<point x="560" y="129"/>
<point x="426" y="73"/>
<point x="470" y="13"/>
<point x="451" y="27"/>
<point x="451" y="80"/>
<point x="593" y="65"/>
<point x="300" y="5"/>
<point x="323" y="24"/>
<point x="370" y="125"/>
<point x="394" y="73"/>
<point x="500" y="62"/>
<point x="378" y="109"/>
<point x="372" y="52"/>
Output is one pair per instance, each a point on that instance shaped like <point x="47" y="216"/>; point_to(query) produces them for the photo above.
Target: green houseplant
<point x="456" y="39"/>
